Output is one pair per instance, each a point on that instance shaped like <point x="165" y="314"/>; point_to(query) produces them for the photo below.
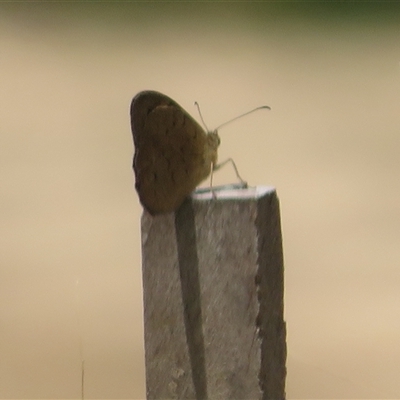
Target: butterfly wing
<point x="172" y="154"/>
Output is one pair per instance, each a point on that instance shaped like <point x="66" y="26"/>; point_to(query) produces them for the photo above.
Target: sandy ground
<point x="70" y="269"/>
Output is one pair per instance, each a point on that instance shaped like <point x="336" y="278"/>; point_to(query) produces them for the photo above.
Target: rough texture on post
<point x="213" y="298"/>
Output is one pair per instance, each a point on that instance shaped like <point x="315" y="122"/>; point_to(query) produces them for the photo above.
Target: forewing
<point x="170" y="152"/>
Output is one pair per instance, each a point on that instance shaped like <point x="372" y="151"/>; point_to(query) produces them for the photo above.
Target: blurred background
<point x="70" y="264"/>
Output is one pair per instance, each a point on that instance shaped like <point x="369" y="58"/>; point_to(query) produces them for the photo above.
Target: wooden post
<point x="213" y="298"/>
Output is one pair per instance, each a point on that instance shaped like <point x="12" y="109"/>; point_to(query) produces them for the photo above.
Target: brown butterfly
<point x="173" y="153"/>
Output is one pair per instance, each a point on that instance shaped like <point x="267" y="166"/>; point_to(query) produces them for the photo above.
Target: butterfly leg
<point x="214" y="195"/>
<point x="218" y="166"/>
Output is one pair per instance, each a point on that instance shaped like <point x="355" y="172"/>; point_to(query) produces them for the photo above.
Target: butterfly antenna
<point x="201" y="117"/>
<point x="240" y="116"/>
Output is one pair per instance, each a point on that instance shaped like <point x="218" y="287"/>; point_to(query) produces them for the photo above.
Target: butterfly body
<point x="173" y="153"/>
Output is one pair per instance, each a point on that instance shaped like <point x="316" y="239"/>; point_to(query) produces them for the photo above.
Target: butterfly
<point x="173" y="153"/>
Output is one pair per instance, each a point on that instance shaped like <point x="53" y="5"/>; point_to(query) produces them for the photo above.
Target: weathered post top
<point x="213" y="298"/>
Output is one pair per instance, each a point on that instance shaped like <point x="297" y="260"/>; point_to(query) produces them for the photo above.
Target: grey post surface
<point x="213" y="298"/>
